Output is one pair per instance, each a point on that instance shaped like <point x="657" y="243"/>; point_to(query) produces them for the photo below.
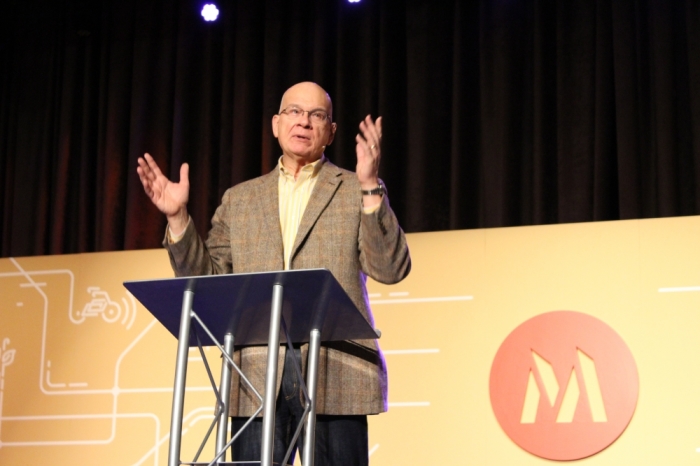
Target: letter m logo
<point x="563" y="385"/>
<point x="545" y="400"/>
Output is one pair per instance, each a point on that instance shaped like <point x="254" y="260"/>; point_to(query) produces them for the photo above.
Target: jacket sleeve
<point x="191" y="256"/>
<point x="382" y="245"/>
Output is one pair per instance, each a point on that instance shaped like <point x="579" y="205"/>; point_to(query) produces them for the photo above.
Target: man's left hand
<point x="369" y="152"/>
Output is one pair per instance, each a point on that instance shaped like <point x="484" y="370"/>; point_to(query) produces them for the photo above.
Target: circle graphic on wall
<point x="564" y="385"/>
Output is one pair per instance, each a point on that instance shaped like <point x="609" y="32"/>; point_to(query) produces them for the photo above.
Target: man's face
<point x="304" y="137"/>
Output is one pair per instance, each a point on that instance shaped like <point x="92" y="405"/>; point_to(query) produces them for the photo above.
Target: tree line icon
<point x="7" y="357"/>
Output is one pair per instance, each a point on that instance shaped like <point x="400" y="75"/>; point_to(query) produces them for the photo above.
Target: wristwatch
<point x="378" y="191"/>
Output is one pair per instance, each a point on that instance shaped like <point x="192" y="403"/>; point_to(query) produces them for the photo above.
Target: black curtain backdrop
<point x="496" y="112"/>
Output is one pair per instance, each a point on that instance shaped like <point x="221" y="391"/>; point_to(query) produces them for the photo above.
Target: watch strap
<point x="378" y="191"/>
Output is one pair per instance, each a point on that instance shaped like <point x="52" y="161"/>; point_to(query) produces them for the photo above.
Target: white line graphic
<point x="7" y="357"/>
<point x="412" y="351"/>
<point x="190" y="419"/>
<point x="439" y="299"/>
<point x="79" y="388"/>
<point x="679" y="289"/>
<point x="408" y="404"/>
<point x="74" y="417"/>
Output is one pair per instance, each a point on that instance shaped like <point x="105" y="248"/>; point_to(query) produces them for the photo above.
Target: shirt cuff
<point x="371" y="209"/>
<point x="172" y="238"/>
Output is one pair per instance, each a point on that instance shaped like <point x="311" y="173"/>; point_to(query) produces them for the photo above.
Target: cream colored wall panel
<point x="666" y="340"/>
<point x="428" y="323"/>
<point x="88" y="375"/>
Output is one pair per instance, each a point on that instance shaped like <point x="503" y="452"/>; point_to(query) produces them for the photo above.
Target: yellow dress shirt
<point x="293" y="197"/>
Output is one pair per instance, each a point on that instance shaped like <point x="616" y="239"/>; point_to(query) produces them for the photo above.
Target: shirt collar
<point x="313" y="167"/>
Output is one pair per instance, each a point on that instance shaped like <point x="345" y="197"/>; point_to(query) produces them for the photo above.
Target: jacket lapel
<point x="270" y="210"/>
<point x="327" y="184"/>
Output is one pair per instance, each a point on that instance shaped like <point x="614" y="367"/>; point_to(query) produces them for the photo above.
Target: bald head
<point x="302" y="135"/>
<point x="308" y="92"/>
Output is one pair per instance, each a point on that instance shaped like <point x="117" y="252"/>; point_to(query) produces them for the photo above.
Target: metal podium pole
<point x="180" y="376"/>
<point x="312" y="383"/>
<point x="268" y="433"/>
<point x="225" y="393"/>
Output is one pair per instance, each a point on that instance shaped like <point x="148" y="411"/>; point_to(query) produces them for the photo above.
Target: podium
<point x="266" y="308"/>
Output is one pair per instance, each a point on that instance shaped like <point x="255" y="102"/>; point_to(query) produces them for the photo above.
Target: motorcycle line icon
<point x="103" y="306"/>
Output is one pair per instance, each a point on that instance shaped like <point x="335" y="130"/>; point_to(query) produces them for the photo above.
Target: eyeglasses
<point x="317" y="116"/>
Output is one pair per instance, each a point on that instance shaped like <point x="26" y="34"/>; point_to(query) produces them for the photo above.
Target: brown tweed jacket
<point x="334" y="233"/>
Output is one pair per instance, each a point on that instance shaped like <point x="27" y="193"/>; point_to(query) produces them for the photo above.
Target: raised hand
<point x="170" y="198"/>
<point x="369" y="152"/>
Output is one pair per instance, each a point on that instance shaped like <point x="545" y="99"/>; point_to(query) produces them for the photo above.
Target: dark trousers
<point x="340" y="440"/>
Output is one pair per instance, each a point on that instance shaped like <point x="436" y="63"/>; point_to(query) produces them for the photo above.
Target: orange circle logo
<point x="564" y="385"/>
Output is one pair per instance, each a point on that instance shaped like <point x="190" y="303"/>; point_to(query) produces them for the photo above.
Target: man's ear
<point x="275" y="121"/>
<point x="331" y="136"/>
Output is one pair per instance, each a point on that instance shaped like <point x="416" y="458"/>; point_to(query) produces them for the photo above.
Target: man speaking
<point x="306" y="213"/>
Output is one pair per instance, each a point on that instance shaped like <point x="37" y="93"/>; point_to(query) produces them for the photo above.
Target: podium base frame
<point x="308" y="421"/>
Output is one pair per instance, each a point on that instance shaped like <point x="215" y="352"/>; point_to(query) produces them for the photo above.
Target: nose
<point x="305" y="119"/>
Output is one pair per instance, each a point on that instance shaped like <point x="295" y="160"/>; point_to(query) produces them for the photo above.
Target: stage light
<point x="210" y="12"/>
<point x="354" y="1"/>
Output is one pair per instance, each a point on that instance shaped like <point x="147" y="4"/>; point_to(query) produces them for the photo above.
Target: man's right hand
<point x="170" y="198"/>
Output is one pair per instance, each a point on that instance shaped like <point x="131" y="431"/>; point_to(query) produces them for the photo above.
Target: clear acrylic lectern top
<point x="240" y="304"/>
